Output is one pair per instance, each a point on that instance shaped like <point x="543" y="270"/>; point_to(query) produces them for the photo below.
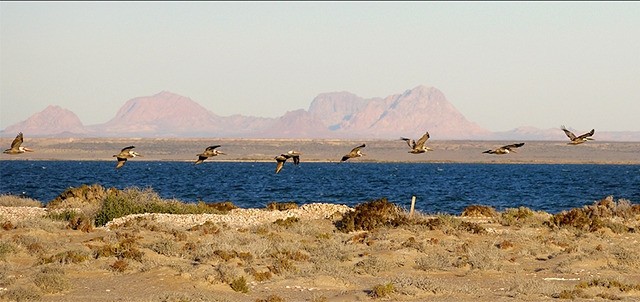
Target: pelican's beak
<point x="429" y="149"/>
<point x="222" y="153"/>
<point x="28" y="150"/>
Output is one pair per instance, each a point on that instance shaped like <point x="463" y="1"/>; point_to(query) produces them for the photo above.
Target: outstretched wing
<point x="17" y="141"/>
<point x="356" y="149"/>
<point x="422" y="140"/>
<point x="296" y="159"/>
<point x="568" y="133"/>
<point x="126" y="149"/>
<point x="201" y="158"/>
<point x="211" y="148"/>
<point x="590" y="133"/>
<point x="410" y="142"/>
<point x="121" y="162"/>
<point x="513" y="146"/>
<point x="281" y="159"/>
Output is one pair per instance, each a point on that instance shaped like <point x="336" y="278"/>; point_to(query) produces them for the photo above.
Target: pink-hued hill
<point x="53" y="120"/>
<point x="330" y="115"/>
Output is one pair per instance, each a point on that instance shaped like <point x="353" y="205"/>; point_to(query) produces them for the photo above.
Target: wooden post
<point x="413" y="205"/>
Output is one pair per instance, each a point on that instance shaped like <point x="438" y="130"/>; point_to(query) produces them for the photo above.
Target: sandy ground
<point x="197" y="258"/>
<point x="328" y="150"/>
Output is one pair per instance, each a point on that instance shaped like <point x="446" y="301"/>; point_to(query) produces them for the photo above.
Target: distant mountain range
<point x="330" y="115"/>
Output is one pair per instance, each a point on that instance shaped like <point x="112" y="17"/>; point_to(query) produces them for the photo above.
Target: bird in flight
<point x="282" y="158"/>
<point x="575" y="140"/>
<point x="505" y="149"/>
<point x="418" y="147"/>
<point x="125" y="153"/>
<point x="355" y="152"/>
<point x="208" y="152"/>
<point x="16" y="146"/>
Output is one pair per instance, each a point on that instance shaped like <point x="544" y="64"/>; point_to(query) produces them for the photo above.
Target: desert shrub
<point x="6" y="249"/>
<point x="281" y="206"/>
<point x="8" y="225"/>
<point x="240" y="285"/>
<point x="136" y="201"/>
<point x="372" y="266"/>
<point x="31" y="243"/>
<point x="437" y="260"/>
<point x="609" y="283"/>
<point x="66" y="257"/>
<point x="222" y="207"/>
<point x="206" y="228"/>
<point x="450" y="224"/>
<point x="517" y="217"/>
<point x="370" y="215"/>
<point x="23" y="293"/>
<point x="262" y="276"/>
<point x="382" y="290"/>
<point x="119" y="266"/>
<point x="7" y="200"/>
<point x="596" y="216"/>
<point x="479" y="211"/>
<point x="51" y="280"/>
<point x="165" y="247"/>
<point x="85" y="198"/>
<point x="287" y="223"/>
<point x="77" y="220"/>
<point x="125" y="247"/>
<point x="271" y="298"/>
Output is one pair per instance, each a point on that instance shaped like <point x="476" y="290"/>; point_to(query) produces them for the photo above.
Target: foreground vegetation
<point x="378" y="251"/>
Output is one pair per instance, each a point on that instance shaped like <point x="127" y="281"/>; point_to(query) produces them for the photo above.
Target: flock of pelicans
<point x="417" y="147"/>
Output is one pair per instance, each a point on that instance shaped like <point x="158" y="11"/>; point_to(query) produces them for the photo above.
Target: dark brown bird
<point x="124" y="154"/>
<point x="208" y="152"/>
<point x="16" y="146"/>
<point x="418" y="147"/>
<point x="282" y="158"/>
<point x="575" y="140"/>
<point x="355" y="152"/>
<point x="505" y="149"/>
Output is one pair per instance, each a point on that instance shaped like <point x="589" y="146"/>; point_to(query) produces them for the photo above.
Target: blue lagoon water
<point x="438" y="187"/>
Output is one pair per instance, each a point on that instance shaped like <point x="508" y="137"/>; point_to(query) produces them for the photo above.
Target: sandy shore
<point x="330" y="150"/>
<point x="301" y="254"/>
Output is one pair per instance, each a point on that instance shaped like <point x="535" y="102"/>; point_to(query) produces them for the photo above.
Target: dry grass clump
<point x="79" y="197"/>
<point x="51" y="280"/>
<point x="521" y="216"/>
<point x="77" y="220"/>
<point x="599" y="215"/>
<point x="6" y="248"/>
<point x="281" y="206"/>
<point x="271" y="298"/>
<point x="66" y="257"/>
<point x="479" y="211"/>
<point x="370" y="216"/>
<point x="136" y="201"/>
<point x="7" y="200"/>
<point x="125" y="247"/>
<point x="382" y="290"/>
<point x="223" y="207"/>
<point x="28" y="292"/>
<point x="450" y="225"/>
<point x="240" y="285"/>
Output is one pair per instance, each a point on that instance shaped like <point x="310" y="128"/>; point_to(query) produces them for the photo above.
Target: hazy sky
<point x="501" y="64"/>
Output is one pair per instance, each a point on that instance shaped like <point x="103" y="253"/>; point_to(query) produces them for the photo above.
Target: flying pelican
<point x="125" y="153"/>
<point x="355" y="152"/>
<point x="16" y="147"/>
<point x="575" y="140"/>
<point x="208" y="152"/>
<point x="505" y="149"/>
<point x="282" y="158"/>
<point x="418" y="147"/>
